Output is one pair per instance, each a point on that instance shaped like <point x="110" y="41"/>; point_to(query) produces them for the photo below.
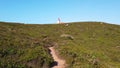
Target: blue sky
<point x="47" y="11"/>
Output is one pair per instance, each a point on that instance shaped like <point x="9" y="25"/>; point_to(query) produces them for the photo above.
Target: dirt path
<point x="60" y="62"/>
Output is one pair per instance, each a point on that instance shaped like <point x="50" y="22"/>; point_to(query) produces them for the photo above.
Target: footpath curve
<point x="60" y="63"/>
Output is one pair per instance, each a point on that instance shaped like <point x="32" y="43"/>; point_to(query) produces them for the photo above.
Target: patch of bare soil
<point x="60" y="63"/>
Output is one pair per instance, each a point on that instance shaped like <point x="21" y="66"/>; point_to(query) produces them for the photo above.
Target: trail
<point x="60" y="62"/>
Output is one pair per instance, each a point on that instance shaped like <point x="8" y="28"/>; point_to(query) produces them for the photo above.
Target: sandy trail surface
<point x="60" y="62"/>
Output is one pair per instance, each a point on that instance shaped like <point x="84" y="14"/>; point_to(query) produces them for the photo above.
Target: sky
<point x="48" y="11"/>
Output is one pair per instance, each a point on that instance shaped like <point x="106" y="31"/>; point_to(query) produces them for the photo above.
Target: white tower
<point x="58" y="21"/>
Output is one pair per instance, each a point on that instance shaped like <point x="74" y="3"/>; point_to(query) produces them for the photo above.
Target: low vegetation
<point x="21" y="47"/>
<point x="81" y="44"/>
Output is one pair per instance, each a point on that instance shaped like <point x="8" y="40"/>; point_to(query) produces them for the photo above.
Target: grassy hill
<point x="81" y="44"/>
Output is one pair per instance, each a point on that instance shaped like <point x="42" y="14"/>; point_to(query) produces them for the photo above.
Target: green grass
<point x="95" y="45"/>
<point x="21" y="47"/>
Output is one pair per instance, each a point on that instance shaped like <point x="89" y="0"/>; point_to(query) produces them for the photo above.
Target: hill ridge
<point x="95" y="44"/>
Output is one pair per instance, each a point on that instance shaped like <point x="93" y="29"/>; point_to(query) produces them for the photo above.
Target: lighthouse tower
<point x="59" y="22"/>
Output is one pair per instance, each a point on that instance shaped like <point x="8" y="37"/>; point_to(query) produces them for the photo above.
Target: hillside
<point x="81" y="44"/>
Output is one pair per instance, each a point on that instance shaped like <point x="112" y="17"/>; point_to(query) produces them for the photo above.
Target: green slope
<point x="83" y="44"/>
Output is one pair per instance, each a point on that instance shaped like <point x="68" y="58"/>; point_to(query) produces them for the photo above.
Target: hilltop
<point x="81" y="44"/>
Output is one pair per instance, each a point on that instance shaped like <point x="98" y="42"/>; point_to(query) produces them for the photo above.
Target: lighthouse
<point x="59" y="22"/>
